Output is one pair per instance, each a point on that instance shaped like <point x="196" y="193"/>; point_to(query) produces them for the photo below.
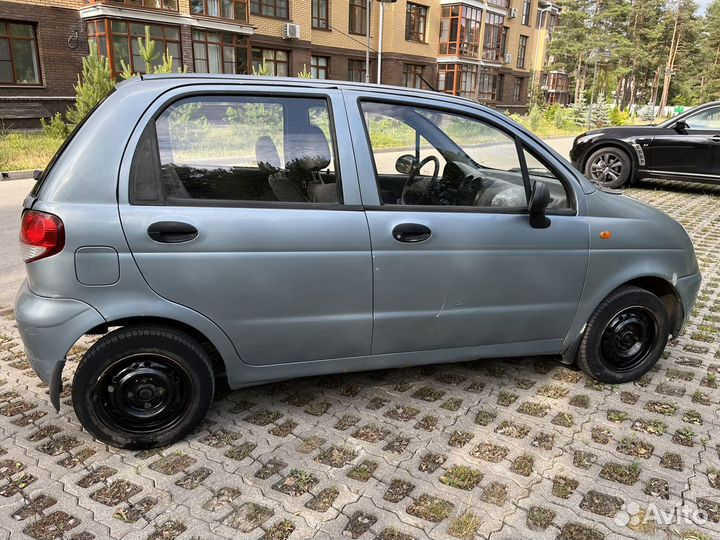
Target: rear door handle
<point x="411" y="233"/>
<point x="172" y="232"/>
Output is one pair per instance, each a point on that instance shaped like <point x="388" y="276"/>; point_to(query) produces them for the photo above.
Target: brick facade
<point x="60" y="57"/>
<point x="62" y="42"/>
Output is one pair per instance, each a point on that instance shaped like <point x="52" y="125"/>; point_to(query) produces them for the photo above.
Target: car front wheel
<point x="610" y="167"/>
<point x="625" y="336"/>
<point x="141" y="387"/>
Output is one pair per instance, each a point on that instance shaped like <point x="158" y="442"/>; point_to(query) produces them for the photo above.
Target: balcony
<point x="163" y="5"/>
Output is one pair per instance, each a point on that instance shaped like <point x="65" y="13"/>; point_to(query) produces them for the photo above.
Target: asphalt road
<point x="12" y="269"/>
<point x="12" y="194"/>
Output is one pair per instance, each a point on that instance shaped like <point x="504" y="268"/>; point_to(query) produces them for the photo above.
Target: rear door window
<point x="239" y="149"/>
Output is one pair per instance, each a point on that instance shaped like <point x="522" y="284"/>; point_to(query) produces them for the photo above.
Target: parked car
<point x="686" y="148"/>
<point x="267" y="229"/>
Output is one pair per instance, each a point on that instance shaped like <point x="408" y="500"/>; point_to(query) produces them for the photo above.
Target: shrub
<point x="618" y="117"/>
<point x="56" y="128"/>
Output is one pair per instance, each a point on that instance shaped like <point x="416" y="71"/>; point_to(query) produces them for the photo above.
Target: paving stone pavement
<point x="500" y="449"/>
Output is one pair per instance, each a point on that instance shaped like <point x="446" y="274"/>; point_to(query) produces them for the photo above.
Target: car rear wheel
<point x="610" y="167"/>
<point x="142" y="387"/>
<point x="624" y="336"/>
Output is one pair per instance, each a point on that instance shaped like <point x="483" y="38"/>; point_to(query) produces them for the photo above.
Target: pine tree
<point x="149" y="54"/>
<point x="93" y="85"/>
<point x="304" y="74"/>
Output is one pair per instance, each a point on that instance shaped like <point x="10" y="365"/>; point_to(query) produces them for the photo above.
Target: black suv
<point x="686" y="147"/>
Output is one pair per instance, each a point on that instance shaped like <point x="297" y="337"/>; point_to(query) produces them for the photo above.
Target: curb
<point x="17" y="175"/>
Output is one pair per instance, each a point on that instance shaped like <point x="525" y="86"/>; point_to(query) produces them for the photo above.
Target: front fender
<point x="643" y="243"/>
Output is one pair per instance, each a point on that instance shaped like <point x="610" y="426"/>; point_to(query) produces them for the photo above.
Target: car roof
<point x="304" y="83"/>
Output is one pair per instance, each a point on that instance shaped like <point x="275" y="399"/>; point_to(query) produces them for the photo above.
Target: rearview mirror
<point x="539" y="200"/>
<point x="681" y="126"/>
<point x="405" y="164"/>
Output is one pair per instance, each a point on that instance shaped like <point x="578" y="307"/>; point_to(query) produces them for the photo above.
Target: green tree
<point x="93" y="85"/>
<point x="150" y="55"/>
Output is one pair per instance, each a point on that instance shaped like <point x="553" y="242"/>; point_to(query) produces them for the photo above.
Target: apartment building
<point x="485" y="50"/>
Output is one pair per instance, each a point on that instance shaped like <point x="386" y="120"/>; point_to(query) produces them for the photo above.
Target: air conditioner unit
<point x="507" y="59"/>
<point x="291" y="31"/>
<point x="513" y="13"/>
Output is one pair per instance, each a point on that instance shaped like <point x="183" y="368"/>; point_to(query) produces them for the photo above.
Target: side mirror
<point x="681" y="126"/>
<point x="539" y="200"/>
<point x="405" y="164"/>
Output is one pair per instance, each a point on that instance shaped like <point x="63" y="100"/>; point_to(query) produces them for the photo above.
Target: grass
<point x="26" y="150"/>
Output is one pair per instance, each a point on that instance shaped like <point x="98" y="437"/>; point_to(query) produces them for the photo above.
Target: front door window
<point x="432" y="158"/>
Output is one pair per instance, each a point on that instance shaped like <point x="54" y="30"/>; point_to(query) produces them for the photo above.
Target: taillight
<point x="41" y="235"/>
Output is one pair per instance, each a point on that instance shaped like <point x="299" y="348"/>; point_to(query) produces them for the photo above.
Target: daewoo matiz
<point x="264" y="229"/>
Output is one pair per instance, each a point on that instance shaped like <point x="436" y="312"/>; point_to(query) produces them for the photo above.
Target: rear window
<point x="238" y="149"/>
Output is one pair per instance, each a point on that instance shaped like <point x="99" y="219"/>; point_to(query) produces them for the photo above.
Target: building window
<point x="269" y="8"/>
<point x="118" y="41"/>
<point x="500" y="87"/>
<point x="356" y="70"/>
<point x="226" y="9"/>
<point x="319" y="67"/>
<point x="518" y="88"/>
<point x="18" y="54"/>
<point x="320" y="14"/>
<point x="458" y="79"/>
<point x="460" y="31"/>
<point x="277" y="62"/>
<point x="522" y="51"/>
<point x="526" y="12"/>
<point x="170" y="5"/>
<point x="487" y="85"/>
<point x="413" y="75"/>
<point x="505" y="4"/>
<point x="214" y="52"/>
<point x="494" y="36"/>
<point x="415" y="22"/>
<point x="358" y="17"/>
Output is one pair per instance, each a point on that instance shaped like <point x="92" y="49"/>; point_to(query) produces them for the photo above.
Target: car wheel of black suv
<point x="624" y="336"/>
<point x="609" y="166"/>
<point x="142" y="387"/>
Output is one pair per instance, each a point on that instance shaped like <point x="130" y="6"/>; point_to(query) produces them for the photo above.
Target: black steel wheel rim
<point x="628" y="338"/>
<point x="144" y="393"/>
<point x="606" y="168"/>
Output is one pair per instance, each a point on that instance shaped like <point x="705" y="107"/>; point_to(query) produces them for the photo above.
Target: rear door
<point x="456" y="263"/>
<point x="244" y="206"/>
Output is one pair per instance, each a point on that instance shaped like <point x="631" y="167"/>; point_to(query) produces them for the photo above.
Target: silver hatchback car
<point x="263" y="229"/>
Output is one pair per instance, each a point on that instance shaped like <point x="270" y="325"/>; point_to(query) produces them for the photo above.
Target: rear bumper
<point x="688" y="288"/>
<point x="48" y="328"/>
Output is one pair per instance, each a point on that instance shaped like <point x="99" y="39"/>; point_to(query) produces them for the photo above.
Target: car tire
<point x="142" y="387"/>
<point x="625" y="336"/>
<point x="609" y="166"/>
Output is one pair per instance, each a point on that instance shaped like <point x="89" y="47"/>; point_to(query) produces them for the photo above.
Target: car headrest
<point x="307" y="150"/>
<point x="266" y="153"/>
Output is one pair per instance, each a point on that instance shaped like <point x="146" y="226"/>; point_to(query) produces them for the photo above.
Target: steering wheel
<point x="411" y="179"/>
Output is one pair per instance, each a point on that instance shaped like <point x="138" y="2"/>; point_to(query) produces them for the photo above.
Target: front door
<point x="455" y="261"/>
<point x="239" y="210"/>
<point x="690" y="153"/>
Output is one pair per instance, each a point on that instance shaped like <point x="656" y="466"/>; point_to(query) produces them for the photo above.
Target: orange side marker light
<point x="605" y="235"/>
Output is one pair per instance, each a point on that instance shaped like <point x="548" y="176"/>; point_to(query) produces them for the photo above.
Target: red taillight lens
<point x="41" y="235"/>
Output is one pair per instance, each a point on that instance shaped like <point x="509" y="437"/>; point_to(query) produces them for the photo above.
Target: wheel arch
<point x="619" y="145"/>
<point x="218" y="363"/>
<point x="667" y="294"/>
<point x="659" y="286"/>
